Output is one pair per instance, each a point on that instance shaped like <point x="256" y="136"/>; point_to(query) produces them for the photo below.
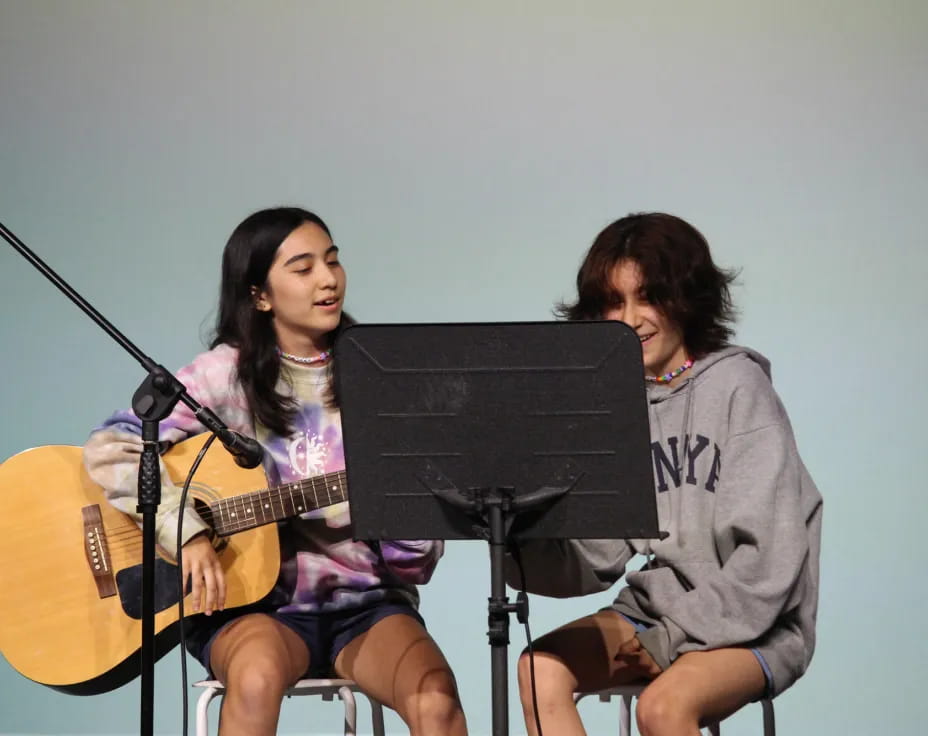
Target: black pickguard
<point x="129" y="585"/>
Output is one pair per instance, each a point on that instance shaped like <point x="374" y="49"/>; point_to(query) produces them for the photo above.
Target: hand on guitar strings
<point x="204" y="573"/>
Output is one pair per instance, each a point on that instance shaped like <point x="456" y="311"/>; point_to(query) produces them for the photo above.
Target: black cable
<point x="517" y="556"/>
<point x="181" y="583"/>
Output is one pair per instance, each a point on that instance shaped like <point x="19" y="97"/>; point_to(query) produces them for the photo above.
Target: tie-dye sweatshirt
<point x="321" y="567"/>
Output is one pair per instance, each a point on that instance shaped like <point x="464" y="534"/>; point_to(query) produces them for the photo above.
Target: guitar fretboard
<point x="240" y="513"/>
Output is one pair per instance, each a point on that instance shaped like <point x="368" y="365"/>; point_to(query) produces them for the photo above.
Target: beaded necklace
<point x="323" y="356"/>
<point x="668" y="377"/>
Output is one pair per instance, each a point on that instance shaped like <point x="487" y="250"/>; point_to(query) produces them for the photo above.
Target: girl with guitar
<point x="338" y="606"/>
<point x="723" y="610"/>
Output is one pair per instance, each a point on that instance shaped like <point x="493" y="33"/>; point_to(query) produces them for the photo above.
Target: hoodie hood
<point x="658" y="392"/>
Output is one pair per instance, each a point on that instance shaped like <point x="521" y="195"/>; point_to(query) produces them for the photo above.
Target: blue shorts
<point x="768" y="675"/>
<point x="324" y="633"/>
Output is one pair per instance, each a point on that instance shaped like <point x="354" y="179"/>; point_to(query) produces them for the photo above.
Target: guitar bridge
<point x="97" y="551"/>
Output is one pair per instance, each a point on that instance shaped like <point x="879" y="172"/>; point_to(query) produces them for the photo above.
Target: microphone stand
<point x="153" y="401"/>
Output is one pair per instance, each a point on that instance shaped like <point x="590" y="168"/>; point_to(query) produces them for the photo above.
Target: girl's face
<point x="304" y="291"/>
<point x="661" y="341"/>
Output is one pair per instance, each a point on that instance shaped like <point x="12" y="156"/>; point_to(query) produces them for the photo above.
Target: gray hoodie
<point x="740" y="564"/>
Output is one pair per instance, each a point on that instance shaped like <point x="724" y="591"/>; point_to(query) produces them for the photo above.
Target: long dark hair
<point x="677" y="272"/>
<point x="246" y="261"/>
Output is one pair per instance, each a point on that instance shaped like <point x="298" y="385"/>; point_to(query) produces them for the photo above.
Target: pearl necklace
<point x="323" y="356"/>
<point x="668" y="377"/>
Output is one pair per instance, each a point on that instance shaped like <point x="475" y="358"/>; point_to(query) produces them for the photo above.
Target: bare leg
<point x="579" y="656"/>
<point x="398" y="663"/>
<point x="698" y="688"/>
<point x="257" y="658"/>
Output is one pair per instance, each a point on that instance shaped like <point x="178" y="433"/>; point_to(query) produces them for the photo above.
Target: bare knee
<point x="661" y="711"/>
<point x="554" y="682"/>
<point x="258" y="686"/>
<point x="434" y="708"/>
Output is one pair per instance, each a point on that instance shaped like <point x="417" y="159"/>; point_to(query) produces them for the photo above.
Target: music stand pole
<point x="494" y="511"/>
<point x="499" y="609"/>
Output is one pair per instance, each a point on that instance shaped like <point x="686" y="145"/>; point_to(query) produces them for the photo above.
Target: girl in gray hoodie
<point x="723" y="610"/>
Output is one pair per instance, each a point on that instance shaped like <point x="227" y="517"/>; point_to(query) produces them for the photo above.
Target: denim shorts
<point x="768" y="675"/>
<point x="324" y="633"/>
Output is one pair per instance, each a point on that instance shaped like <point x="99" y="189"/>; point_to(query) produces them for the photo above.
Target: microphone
<point x="246" y="452"/>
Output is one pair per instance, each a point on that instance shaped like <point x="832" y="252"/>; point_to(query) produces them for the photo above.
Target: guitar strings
<point x="272" y="504"/>
<point x="265" y="500"/>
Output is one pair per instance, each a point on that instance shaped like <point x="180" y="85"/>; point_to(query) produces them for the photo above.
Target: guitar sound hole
<point x="202" y="508"/>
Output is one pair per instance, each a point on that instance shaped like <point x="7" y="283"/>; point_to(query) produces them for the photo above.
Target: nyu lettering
<point x="670" y="466"/>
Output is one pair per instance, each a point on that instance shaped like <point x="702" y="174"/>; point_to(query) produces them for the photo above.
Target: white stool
<point x="328" y="689"/>
<point x="627" y="692"/>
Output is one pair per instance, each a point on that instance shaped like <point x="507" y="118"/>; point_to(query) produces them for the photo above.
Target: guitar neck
<point x="240" y="513"/>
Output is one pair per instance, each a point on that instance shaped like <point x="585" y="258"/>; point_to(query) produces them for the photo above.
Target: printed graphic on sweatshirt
<point x="314" y="448"/>
<point x="698" y="462"/>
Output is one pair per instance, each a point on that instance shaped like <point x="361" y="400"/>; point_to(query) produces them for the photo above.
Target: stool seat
<point x="328" y="689"/>
<point x="633" y="690"/>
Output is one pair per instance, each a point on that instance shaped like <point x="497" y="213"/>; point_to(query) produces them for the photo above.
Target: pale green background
<point x="465" y="154"/>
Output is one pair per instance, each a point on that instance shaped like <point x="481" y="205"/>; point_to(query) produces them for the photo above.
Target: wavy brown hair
<point x="677" y="272"/>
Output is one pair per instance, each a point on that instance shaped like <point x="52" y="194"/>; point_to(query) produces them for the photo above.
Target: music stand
<point x="478" y="431"/>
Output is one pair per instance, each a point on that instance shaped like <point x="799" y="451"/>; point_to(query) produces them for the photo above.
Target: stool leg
<point x="377" y="717"/>
<point x="351" y="710"/>
<point x="203" y="710"/>
<point x="625" y="716"/>
<point x="770" y="726"/>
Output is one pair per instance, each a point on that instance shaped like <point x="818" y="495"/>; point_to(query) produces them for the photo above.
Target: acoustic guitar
<point x="71" y="564"/>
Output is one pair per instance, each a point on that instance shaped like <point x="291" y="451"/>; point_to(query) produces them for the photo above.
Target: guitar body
<point x="59" y="625"/>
